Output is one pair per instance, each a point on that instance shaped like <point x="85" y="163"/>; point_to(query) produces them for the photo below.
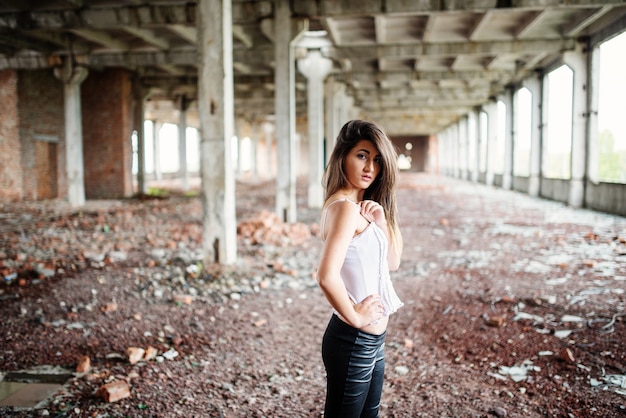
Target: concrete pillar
<point x="593" y="159"/>
<point x="533" y="84"/>
<point x="255" y="148"/>
<point x="477" y="144"/>
<point x="507" y="175"/>
<point x="470" y="150"/>
<point x="216" y="115"/>
<point x="444" y="151"/>
<point x="456" y="139"/>
<point x="139" y="95"/>
<point x="182" y="104"/>
<point x="447" y="153"/>
<point x="285" y="103"/>
<point x="72" y="76"/>
<point x="156" y="147"/>
<point x="464" y="147"/>
<point x="577" y="61"/>
<point x="331" y="88"/>
<point x="492" y="137"/>
<point x="238" y="164"/>
<point x="348" y="111"/>
<point x="268" y="130"/>
<point x="315" y="68"/>
<point x="338" y="122"/>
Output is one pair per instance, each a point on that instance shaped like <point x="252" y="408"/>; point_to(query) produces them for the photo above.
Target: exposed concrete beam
<point x="416" y="103"/>
<point x="189" y="34"/>
<point x="61" y="39"/>
<point x="171" y="69"/>
<point x="148" y="36"/>
<point x="576" y="27"/>
<point x="102" y="38"/>
<point x="19" y="42"/>
<point x="240" y="34"/>
<point x="534" y="19"/>
<point x="371" y="77"/>
<point x="380" y="29"/>
<point x="336" y="8"/>
<point x="478" y="25"/>
<point x="452" y="48"/>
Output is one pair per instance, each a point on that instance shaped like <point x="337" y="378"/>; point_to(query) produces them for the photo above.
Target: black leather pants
<point x="355" y="365"/>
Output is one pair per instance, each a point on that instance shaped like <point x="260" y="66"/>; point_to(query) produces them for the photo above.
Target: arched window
<point x="522" y="128"/>
<point x="611" y="127"/>
<point x="497" y="157"/>
<point x="484" y="139"/>
<point x="558" y="134"/>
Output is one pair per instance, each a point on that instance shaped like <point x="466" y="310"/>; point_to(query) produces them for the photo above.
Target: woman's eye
<point x="362" y="156"/>
<point x="377" y="160"/>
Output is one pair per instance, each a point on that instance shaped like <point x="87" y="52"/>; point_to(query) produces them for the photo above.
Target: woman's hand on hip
<point x="370" y="309"/>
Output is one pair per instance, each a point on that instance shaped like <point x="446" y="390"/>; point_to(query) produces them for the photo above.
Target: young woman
<point x="362" y="243"/>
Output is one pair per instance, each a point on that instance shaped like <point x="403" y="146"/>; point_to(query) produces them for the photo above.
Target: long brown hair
<point x="382" y="190"/>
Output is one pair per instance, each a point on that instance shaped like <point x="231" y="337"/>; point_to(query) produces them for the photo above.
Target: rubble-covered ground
<point x="514" y="307"/>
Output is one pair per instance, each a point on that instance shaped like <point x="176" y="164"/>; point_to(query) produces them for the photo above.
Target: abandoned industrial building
<point x="226" y="100"/>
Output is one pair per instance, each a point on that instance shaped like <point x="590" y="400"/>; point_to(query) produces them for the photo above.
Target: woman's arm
<point x="395" y="249"/>
<point x="341" y="221"/>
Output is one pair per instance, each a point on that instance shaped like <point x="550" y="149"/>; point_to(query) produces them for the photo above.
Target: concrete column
<point x="592" y="125"/>
<point x="450" y="150"/>
<point x="492" y="138"/>
<point x="507" y="175"/>
<point x="454" y="150"/>
<point x="338" y="122"/>
<point x="237" y="136"/>
<point x="331" y="88"/>
<point x="577" y="61"/>
<point x="216" y="114"/>
<point x="470" y="150"/>
<point x="138" y="120"/>
<point x="533" y="84"/>
<point x="447" y="152"/>
<point x="444" y="151"/>
<point x="315" y="68"/>
<point x="349" y="112"/>
<point x="477" y="144"/>
<point x="182" y="105"/>
<point x="452" y="147"/>
<point x="284" y="77"/>
<point x="463" y="147"/>
<point x="156" y="147"/>
<point x="255" y="148"/>
<point x="72" y="76"/>
<point x="268" y="129"/>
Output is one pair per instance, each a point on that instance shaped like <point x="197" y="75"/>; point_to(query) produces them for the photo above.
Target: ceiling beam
<point x="452" y="48"/>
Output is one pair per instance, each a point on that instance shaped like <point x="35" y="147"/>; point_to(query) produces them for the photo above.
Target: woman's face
<point x="362" y="164"/>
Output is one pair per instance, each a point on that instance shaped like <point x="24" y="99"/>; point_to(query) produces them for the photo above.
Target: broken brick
<point x="182" y="299"/>
<point x="135" y="354"/>
<point x="84" y="364"/>
<point x="114" y="391"/>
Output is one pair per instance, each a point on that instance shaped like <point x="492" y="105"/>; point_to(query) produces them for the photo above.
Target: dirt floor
<point x="514" y="307"/>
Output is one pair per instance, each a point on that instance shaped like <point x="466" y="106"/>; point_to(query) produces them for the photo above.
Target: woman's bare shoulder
<point x="339" y="214"/>
<point x="340" y="202"/>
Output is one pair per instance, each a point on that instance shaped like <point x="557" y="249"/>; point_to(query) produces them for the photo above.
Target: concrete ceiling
<point x="414" y="66"/>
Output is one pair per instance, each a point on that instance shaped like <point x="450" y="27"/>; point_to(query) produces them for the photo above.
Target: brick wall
<point x="107" y="127"/>
<point x="42" y="134"/>
<point x="10" y="165"/>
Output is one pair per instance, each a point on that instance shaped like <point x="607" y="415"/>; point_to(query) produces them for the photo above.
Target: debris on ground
<point x="514" y="307"/>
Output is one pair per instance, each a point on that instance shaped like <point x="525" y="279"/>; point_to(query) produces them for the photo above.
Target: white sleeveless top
<point x="365" y="270"/>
